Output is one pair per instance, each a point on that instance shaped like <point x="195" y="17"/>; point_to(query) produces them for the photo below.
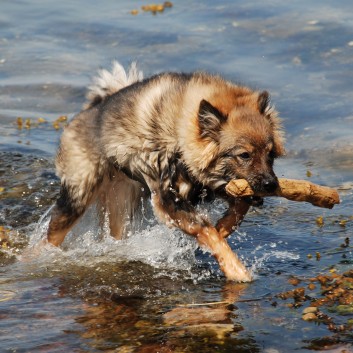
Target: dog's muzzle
<point x="265" y="184"/>
<point x="270" y="184"/>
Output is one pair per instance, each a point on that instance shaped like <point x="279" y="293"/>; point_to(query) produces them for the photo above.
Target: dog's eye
<point x="244" y="155"/>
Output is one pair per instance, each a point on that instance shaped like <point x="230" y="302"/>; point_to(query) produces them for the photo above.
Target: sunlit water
<point x="144" y="293"/>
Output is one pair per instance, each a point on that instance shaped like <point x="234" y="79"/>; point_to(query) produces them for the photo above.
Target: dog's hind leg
<point x="63" y="217"/>
<point x="81" y="169"/>
<point x="69" y="208"/>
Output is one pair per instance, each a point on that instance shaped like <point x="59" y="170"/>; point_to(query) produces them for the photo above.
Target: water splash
<point x="89" y="244"/>
<point x="263" y="255"/>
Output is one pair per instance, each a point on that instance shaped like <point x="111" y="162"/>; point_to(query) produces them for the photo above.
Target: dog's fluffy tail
<point x="108" y="82"/>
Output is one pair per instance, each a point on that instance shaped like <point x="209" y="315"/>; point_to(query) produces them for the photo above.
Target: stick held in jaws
<point x="295" y="190"/>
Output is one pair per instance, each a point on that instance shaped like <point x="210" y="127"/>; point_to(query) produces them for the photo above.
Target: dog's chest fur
<point x="171" y="173"/>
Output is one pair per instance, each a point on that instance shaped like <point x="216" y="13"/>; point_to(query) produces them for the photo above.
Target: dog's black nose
<point x="270" y="185"/>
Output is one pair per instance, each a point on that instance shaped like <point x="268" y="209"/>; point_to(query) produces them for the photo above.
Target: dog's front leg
<point x="228" y="261"/>
<point x="233" y="217"/>
<point x="182" y="215"/>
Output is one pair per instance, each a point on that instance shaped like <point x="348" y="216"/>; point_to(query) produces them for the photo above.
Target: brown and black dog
<point x="172" y="138"/>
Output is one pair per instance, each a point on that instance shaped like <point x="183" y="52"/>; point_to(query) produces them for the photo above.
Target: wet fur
<point x="173" y="138"/>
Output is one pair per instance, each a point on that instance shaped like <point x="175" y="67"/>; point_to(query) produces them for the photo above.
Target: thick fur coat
<point x="176" y="138"/>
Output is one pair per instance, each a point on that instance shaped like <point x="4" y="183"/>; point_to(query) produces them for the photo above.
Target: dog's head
<point x="240" y="141"/>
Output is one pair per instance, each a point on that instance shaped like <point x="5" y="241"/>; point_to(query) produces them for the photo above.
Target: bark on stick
<point x="295" y="190"/>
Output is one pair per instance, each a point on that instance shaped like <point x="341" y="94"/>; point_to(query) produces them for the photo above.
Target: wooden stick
<point x="295" y="190"/>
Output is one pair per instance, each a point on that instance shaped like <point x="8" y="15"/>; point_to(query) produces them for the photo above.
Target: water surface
<point x="155" y="291"/>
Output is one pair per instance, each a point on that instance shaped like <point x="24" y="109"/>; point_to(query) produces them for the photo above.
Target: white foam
<point x="268" y="256"/>
<point x="88" y="244"/>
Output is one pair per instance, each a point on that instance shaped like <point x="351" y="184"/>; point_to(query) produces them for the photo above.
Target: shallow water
<point x="155" y="291"/>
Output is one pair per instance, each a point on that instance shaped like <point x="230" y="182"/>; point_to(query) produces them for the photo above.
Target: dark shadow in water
<point x="169" y="322"/>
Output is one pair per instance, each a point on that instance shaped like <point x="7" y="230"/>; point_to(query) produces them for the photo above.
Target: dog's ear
<point x="210" y="120"/>
<point x="265" y="108"/>
<point x="263" y="101"/>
